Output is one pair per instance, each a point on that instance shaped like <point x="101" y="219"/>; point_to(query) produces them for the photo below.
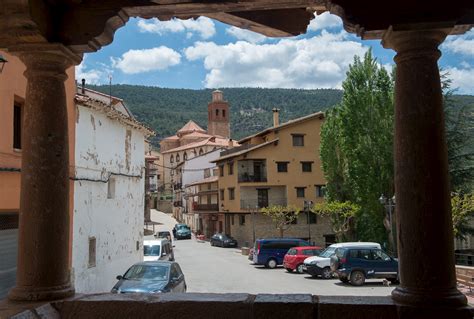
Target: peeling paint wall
<point x="105" y="147"/>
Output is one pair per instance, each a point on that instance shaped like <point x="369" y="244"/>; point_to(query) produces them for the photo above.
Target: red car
<point x="295" y="257"/>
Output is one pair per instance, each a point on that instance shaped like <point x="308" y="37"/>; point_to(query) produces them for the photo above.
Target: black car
<point x="223" y="240"/>
<point x="163" y="234"/>
<point x="355" y="264"/>
<point x="151" y="277"/>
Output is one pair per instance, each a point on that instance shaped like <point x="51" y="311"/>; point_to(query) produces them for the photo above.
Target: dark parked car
<point x="271" y="251"/>
<point x="182" y="231"/>
<point x="163" y="234"/>
<point x="151" y="277"/>
<point x="223" y="240"/>
<point x="355" y="264"/>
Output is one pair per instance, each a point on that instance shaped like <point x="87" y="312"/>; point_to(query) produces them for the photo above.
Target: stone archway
<point x="51" y="35"/>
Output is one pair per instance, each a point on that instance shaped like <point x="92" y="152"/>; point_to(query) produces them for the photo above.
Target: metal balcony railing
<point x="206" y="207"/>
<point x="252" y="204"/>
<point x="246" y="178"/>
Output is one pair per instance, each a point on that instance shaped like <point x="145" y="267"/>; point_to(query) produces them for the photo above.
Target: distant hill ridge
<point x="167" y="110"/>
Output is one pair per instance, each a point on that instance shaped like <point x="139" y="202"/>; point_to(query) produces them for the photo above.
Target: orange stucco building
<point x="12" y="97"/>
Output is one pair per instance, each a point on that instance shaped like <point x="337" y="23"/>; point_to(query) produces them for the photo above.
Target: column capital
<point x="45" y="58"/>
<point x="414" y="43"/>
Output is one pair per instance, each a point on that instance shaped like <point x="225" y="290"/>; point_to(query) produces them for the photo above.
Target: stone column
<point x="424" y="225"/>
<point x="43" y="266"/>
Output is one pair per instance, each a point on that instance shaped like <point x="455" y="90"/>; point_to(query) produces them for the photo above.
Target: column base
<point x="429" y="298"/>
<point x="41" y="293"/>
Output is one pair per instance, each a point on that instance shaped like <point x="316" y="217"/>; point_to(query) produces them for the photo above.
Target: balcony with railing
<point x="252" y="171"/>
<point x="256" y="198"/>
<point x="207" y="207"/>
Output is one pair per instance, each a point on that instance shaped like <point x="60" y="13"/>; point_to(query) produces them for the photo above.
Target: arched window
<point x="185" y="156"/>
<point x="177" y="158"/>
<point x="172" y="159"/>
<point x="201" y="151"/>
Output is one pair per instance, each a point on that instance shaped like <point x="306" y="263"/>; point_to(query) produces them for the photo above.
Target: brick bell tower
<point x="218" y="115"/>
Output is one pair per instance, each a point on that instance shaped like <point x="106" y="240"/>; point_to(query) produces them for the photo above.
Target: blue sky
<point x="205" y="53"/>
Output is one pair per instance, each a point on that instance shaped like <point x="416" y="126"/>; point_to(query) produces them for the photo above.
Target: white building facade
<point x="194" y="170"/>
<point x="108" y="216"/>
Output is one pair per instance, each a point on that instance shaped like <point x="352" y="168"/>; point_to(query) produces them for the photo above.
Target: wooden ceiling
<point x="87" y="25"/>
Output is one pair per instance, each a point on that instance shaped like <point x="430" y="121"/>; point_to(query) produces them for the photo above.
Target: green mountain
<point x="167" y="110"/>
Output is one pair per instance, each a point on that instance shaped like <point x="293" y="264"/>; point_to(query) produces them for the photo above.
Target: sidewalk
<point x="469" y="294"/>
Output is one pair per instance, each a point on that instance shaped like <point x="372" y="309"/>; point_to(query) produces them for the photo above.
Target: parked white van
<point x="320" y="265"/>
<point x="159" y="249"/>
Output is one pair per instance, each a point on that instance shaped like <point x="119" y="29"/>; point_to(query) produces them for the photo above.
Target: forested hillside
<point x="167" y="110"/>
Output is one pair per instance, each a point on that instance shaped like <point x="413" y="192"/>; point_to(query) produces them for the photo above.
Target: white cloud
<point x="318" y="62"/>
<point x="462" y="79"/>
<point x="246" y="35"/>
<point x="462" y="44"/>
<point x="324" y="21"/>
<point x="92" y="76"/>
<point x="139" y="61"/>
<point x="202" y="25"/>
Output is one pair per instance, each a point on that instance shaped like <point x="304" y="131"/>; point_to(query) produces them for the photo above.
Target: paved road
<point x="225" y="270"/>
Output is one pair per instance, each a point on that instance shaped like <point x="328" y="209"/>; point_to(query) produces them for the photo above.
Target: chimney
<point x="83" y="91"/>
<point x="231" y="143"/>
<point x="276" y="117"/>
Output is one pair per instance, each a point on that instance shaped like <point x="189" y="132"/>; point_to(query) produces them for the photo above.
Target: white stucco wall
<point x="103" y="146"/>
<point x="193" y="169"/>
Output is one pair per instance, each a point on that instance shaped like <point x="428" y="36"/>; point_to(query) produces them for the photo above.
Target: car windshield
<point x="328" y="252"/>
<point x="151" y="250"/>
<point x="147" y="272"/>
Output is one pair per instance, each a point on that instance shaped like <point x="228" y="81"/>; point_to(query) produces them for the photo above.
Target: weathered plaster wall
<point x="104" y="147"/>
<point x="265" y="228"/>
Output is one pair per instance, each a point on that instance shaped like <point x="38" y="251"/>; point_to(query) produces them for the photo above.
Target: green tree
<point x="459" y="119"/>
<point x="462" y="206"/>
<point x="357" y="145"/>
<point x="281" y="216"/>
<point x="341" y="215"/>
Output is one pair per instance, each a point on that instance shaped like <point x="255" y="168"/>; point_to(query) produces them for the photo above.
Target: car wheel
<point x="326" y="274"/>
<point x="299" y="269"/>
<point x="357" y="278"/>
<point x="271" y="263"/>
<point x="289" y="269"/>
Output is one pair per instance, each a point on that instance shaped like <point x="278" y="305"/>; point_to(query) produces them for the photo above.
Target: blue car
<point x="182" y="232"/>
<point x="356" y="264"/>
<point x="271" y="251"/>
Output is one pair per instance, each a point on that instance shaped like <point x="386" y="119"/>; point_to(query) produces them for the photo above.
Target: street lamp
<point x="389" y="204"/>
<point x="2" y="62"/>
<point x="307" y="206"/>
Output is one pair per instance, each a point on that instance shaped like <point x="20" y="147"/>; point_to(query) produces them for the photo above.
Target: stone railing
<point x="197" y="306"/>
